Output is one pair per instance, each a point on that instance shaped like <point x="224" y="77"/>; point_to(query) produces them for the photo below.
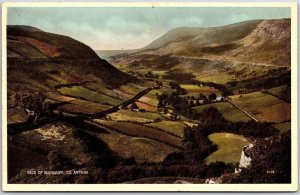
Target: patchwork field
<point x="151" y="97"/>
<point x="132" y="116"/>
<point x="143" y="131"/>
<point x="131" y="88"/>
<point x="148" y="99"/>
<point x="283" y="92"/>
<point x="81" y="92"/>
<point x="229" y="147"/>
<point x="84" y="107"/>
<point x="264" y="107"/>
<point x="196" y="90"/>
<point x="172" y="127"/>
<point x="229" y="111"/>
<point x="142" y="149"/>
<point x="146" y="107"/>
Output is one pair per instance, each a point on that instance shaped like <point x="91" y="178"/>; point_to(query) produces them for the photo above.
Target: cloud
<point x="129" y="28"/>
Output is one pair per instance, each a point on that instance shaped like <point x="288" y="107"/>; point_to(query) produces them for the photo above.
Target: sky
<point x="116" y="28"/>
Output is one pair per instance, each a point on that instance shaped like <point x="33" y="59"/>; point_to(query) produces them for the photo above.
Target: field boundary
<point x="278" y="97"/>
<point x="244" y="111"/>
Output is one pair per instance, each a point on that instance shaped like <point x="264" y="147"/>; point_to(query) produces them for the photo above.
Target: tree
<point x="202" y="97"/>
<point x="212" y="96"/>
<point x="33" y="102"/>
<point x="149" y="75"/>
<point x="192" y="103"/>
<point x="134" y="106"/>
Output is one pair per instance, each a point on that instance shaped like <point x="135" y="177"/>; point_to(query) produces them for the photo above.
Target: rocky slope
<point x="258" y="41"/>
<point x="223" y="55"/>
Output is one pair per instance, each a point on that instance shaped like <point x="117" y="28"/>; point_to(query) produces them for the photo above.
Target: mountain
<point x="242" y="50"/>
<point x="64" y="70"/>
<point x="106" y="54"/>
<point x="260" y="41"/>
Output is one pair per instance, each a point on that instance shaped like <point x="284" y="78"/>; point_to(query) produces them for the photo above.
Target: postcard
<point x="149" y="96"/>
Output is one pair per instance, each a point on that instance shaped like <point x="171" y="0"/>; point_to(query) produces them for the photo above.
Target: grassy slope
<point x="143" y="131"/>
<point x="229" y="147"/>
<point x="81" y="92"/>
<point x="283" y="92"/>
<point x="230" y="112"/>
<point x="173" y="127"/>
<point x="132" y="116"/>
<point x="264" y="107"/>
<point x="142" y="149"/>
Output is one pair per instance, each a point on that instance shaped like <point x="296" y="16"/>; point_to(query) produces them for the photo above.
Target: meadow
<point x="143" y="131"/>
<point x="173" y="127"/>
<point x="81" y="92"/>
<point x="133" y="116"/>
<point x="264" y="107"/>
<point x="229" y="147"/>
<point x="195" y="90"/>
<point x="229" y="111"/>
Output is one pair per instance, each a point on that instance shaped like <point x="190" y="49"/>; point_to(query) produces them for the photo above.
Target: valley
<point x="181" y="109"/>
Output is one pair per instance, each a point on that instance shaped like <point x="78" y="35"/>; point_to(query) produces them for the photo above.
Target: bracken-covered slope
<point x="30" y="49"/>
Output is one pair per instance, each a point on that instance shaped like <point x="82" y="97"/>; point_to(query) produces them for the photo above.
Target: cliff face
<point x="245" y="158"/>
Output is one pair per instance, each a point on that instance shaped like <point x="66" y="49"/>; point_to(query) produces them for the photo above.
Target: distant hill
<point x="106" y="54"/>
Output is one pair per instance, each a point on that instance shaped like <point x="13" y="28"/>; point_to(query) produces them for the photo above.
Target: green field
<point x="137" y="130"/>
<point x="132" y="116"/>
<point x="220" y="78"/>
<point x="131" y="88"/>
<point x="264" y="107"/>
<point x="195" y="90"/>
<point x="229" y="112"/>
<point x="81" y="92"/>
<point x="283" y="92"/>
<point x="173" y="127"/>
<point x="229" y="147"/>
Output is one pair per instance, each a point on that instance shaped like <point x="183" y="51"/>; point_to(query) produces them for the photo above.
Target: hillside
<point x="184" y="114"/>
<point x="33" y="44"/>
<point x="257" y="41"/>
<point x="225" y="54"/>
<point x="64" y="70"/>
